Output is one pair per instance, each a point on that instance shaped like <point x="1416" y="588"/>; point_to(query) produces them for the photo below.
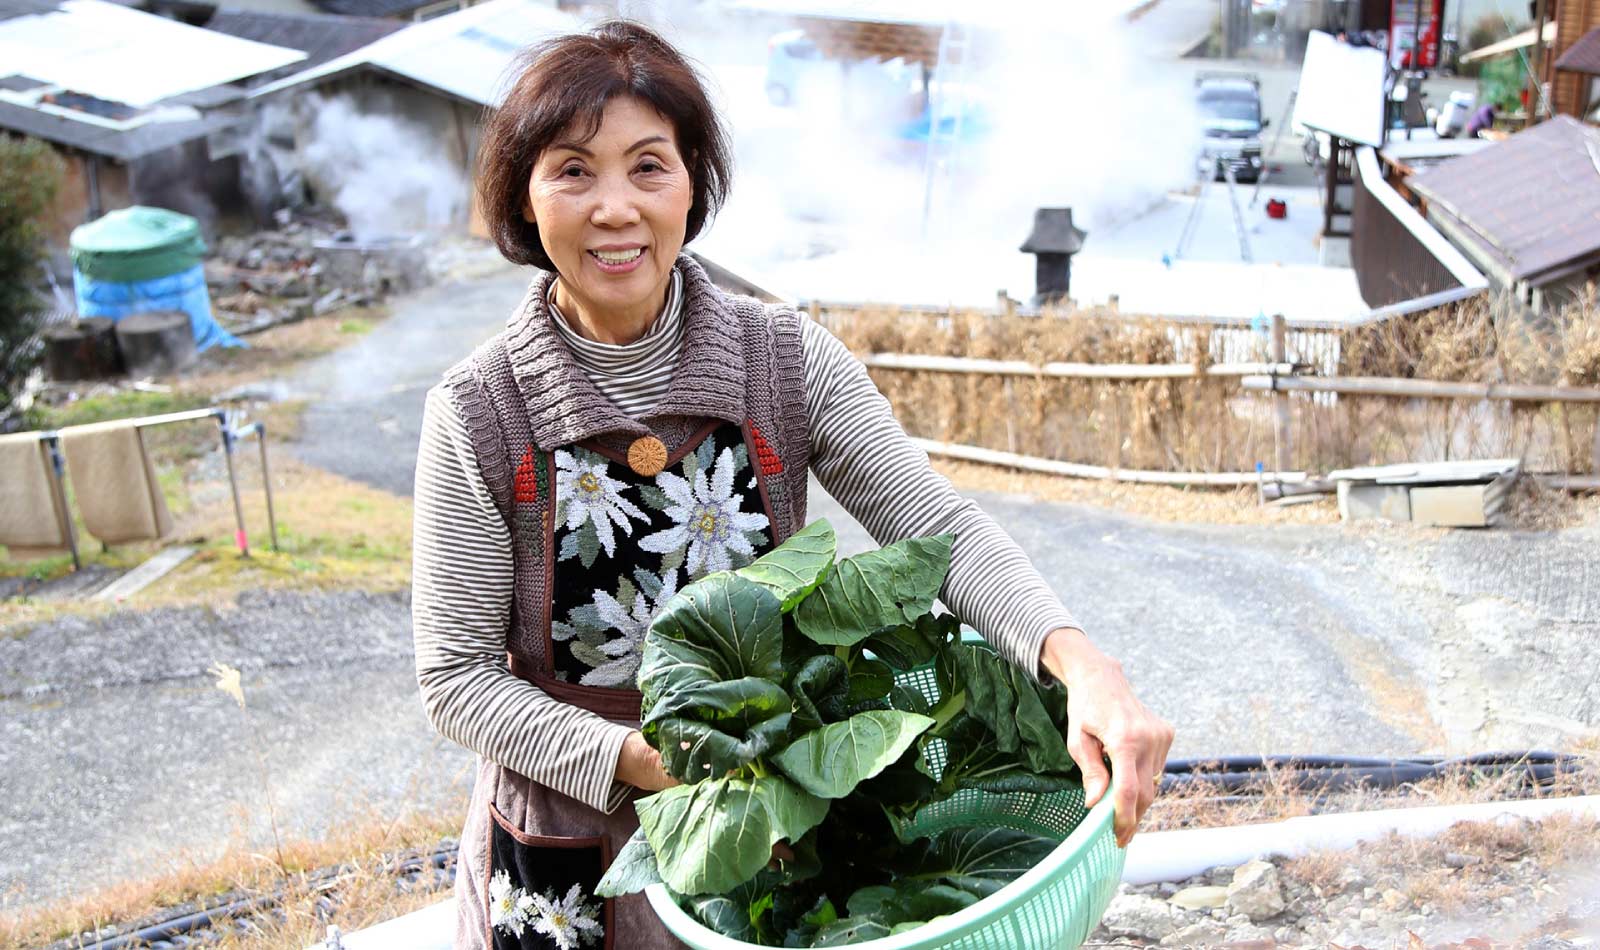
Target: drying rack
<point x="230" y="434"/>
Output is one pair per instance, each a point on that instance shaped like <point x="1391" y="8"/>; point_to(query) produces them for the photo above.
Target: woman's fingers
<point x="1128" y="787"/>
<point x="1087" y="751"/>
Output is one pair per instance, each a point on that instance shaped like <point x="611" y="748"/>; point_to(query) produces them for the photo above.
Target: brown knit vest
<point x="521" y="396"/>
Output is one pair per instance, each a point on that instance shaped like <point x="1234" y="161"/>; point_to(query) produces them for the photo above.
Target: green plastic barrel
<point x="1053" y="906"/>
<point x="135" y="244"/>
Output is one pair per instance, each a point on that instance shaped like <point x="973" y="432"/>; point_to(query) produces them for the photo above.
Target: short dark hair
<point x="565" y="82"/>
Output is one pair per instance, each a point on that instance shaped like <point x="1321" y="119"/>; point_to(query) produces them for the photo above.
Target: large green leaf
<point x="712" y="836"/>
<point x="692" y="750"/>
<point x="794" y="568"/>
<point x="971" y="758"/>
<point x="830" y="762"/>
<point x="908" y="646"/>
<point x="850" y="930"/>
<point x="1005" y="700"/>
<point x="979" y="861"/>
<point x="724" y="627"/>
<point x="818" y="690"/>
<point x="723" y="913"/>
<point x="870" y="592"/>
<point x="632" y="870"/>
<point x="908" y="899"/>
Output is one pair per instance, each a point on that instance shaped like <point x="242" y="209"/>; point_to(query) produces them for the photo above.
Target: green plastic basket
<point x="1053" y="905"/>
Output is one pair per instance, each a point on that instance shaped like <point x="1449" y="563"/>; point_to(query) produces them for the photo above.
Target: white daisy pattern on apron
<point x="627" y="614"/>
<point x="588" y="504"/>
<point x="709" y="522"/>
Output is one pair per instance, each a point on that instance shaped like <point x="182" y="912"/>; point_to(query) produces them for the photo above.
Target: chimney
<point x="1054" y="240"/>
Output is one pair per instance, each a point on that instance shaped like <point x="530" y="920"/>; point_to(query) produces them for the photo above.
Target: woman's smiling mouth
<point x="618" y="262"/>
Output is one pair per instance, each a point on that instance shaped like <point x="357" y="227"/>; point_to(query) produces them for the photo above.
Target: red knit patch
<point x="526" y="482"/>
<point x="768" y="459"/>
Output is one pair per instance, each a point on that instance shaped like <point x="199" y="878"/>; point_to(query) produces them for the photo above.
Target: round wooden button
<point x="647" y="456"/>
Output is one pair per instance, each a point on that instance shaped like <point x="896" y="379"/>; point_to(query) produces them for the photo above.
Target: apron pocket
<point x="541" y="890"/>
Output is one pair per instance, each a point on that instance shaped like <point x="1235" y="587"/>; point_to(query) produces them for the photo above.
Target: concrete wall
<point x="72" y="204"/>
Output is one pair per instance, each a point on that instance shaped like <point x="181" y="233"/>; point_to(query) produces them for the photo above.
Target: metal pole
<point x="1540" y="13"/>
<point x="239" y="536"/>
<point x="59" y="466"/>
<point x="266" y="480"/>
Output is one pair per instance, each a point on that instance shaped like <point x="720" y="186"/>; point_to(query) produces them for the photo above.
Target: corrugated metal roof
<point x="371" y="8"/>
<point x="1533" y="200"/>
<point x="121" y="55"/>
<point x="15" y="8"/>
<point x="321" y="37"/>
<point x="120" y="144"/>
<point x="1584" y="55"/>
<point x="464" y="54"/>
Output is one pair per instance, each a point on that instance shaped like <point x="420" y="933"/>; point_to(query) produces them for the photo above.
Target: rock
<point x="1352" y="879"/>
<point x="1167" y="889"/>
<point x="1393" y="900"/>
<point x="1206" y="933"/>
<point x="1200" y="898"/>
<point x="1456" y="860"/>
<point x="1369" y="915"/>
<point x="1256" y="891"/>
<point x="1144" y="918"/>
<point x="1220" y="875"/>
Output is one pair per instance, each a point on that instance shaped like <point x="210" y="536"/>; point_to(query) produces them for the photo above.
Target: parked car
<point x="1230" y="114"/>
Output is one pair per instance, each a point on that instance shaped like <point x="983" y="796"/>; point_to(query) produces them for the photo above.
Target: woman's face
<point x="612" y="211"/>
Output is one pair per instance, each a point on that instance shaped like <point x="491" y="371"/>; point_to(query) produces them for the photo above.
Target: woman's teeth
<point x="618" y="257"/>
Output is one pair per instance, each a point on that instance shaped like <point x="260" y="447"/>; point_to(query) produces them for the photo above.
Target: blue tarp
<point x="185" y="290"/>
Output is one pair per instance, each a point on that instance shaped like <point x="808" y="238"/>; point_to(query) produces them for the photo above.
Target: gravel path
<point x="1250" y="639"/>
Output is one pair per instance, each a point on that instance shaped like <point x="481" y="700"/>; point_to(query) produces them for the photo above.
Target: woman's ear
<point x="527" y="211"/>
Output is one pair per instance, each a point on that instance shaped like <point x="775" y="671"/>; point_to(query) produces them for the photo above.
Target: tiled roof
<point x="1532" y="201"/>
<point x="371" y="8"/>
<point x="1584" y="55"/>
<point x="320" y="36"/>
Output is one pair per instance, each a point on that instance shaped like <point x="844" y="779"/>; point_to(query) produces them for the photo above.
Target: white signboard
<point x="1341" y="90"/>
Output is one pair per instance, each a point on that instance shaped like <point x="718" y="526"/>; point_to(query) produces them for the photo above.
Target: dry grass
<point x="360" y="883"/>
<point x="1212" y="425"/>
<point x="332" y="532"/>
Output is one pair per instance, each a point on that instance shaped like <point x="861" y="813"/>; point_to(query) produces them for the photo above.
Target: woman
<point x="633" y="429"/>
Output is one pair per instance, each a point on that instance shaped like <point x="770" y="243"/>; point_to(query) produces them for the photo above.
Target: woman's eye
<point x="572" y="171"/>
<point x="650" y="166"/>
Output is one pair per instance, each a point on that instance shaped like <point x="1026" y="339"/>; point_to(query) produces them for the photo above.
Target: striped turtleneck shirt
<point x="633" y="375"/>
<point x="462" y="562"/>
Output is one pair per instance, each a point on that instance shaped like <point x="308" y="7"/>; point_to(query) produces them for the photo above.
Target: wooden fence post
<point x="1282" y="431"/>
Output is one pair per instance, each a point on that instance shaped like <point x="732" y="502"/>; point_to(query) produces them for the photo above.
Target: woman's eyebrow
<point x="573" y="147"/>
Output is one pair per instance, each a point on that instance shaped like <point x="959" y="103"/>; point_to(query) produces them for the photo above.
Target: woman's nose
<point x="616" y="205"/>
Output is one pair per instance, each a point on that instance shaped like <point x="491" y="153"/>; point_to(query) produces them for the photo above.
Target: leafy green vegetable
<point x="1004" y="699"/>
<point x="876" y="590"/>
<point x="822" y="704"/>
<point x="830" y="762"/>
<point x="715" y="835"/>
<point x="795" y="568"/>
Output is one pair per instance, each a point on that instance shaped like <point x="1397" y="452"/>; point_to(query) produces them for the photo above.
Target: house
<point x="1572" y="85"/>
<point x="424" y="86"/>
<point x="1525" y="211"/>
<point x="133" y="101"/>
<point x="1578" y="77"/>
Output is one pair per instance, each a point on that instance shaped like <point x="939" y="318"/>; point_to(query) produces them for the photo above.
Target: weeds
<point x="1211" y="424"/>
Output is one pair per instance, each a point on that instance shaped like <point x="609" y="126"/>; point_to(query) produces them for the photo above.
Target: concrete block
<point x="1364" y="501"/>
<point x="1451" y="506"/>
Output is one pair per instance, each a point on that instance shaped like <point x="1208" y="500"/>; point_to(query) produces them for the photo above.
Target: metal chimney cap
<point x="1054" y="233"/>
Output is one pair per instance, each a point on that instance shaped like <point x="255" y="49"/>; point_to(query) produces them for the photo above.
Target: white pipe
<point x="431" y="928"/>
<point x="1179" y="855"/>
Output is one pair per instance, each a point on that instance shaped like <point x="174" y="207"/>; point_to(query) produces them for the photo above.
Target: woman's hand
<point x="1105" y="720"/>
<point x="640" y="766"/>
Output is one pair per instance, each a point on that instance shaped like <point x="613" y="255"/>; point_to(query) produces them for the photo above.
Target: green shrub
<point x="30" y="176"/>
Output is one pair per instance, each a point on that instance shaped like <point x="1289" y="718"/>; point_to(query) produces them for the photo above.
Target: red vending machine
<point x="1415" y="29"/>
